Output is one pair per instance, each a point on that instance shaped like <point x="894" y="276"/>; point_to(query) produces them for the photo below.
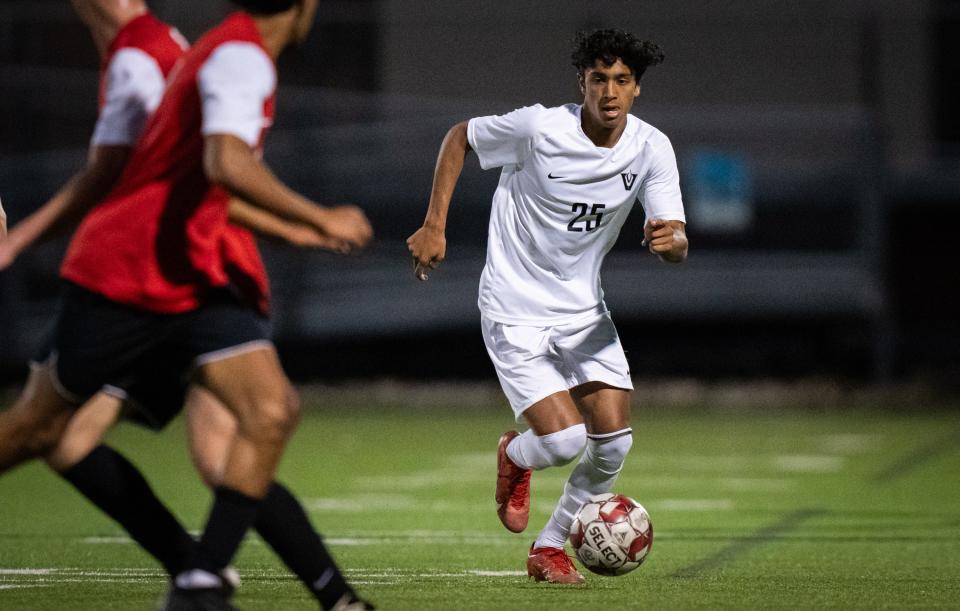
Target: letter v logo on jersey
<point x="628" y="180"/>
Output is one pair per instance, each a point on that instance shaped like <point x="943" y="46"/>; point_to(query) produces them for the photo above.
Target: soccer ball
<point x="611" y="534"/>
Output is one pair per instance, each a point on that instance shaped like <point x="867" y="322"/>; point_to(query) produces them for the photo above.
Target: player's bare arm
<point x="267" y="224"/>
<point x="68" y="206"/>
<point x="667" y="239"/>
<point x="3" y="222"/>
<point x="428" y="245"/>
<point x="229" y="162"/>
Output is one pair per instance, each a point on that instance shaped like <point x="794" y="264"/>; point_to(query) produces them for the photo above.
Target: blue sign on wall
<point x="719" y="191"/>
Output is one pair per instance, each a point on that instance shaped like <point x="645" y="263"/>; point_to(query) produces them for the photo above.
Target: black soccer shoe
<point x="198" y="599"/>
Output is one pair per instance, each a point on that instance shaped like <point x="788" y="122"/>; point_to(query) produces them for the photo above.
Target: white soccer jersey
<point x="134" y="86"/>
<point x="559" y="207"/>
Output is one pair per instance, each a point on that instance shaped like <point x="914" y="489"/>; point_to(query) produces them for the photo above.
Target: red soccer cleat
<point x="513" y="488"/>
<point x="552" y="564"/>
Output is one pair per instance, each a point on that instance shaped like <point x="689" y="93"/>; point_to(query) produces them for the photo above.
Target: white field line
<point x="696" y="463"/>
<point x="663" y="472"/>
<point x="366" y="502"/>
<point x="117" y="540"/>
<point x="849" y="443"/>
<point x="412" y="537"/>
<point x="361" y="541"/>
<point x="804" y="463"/>
<point x="421" y="480"/>
<point x="692" y="505"/>
<point x="79" y="571"/>
<point x="458" y="469"/>
<point x="45" y="577"/>
<point x="423" y="537"/>
<point x="96" y="579"/>
<point x="661" y="505"/>
<point x="758" y="484"/>
<point x="367" y="541"/>
<point x="378" y="503"/>
<point x="23" y="585"/>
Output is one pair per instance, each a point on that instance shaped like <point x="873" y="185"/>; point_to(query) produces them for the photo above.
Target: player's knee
<point x="64" y="455"/>
<point x="273" y="418"/>
<point x="209" y="449"/>
<point x="272" y="422"/>
<point x="564" y="446"/>
<point x="35" y="424"/>
<point x="211" y="472"/>
<point x="72" y="446"/>
<point x="608" y="455"/>
<point x="41" y="438"/>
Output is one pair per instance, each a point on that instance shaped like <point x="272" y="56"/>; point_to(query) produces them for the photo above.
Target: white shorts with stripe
<point x="535" y="362"/>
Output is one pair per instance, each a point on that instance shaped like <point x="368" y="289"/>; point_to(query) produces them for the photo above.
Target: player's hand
<point x="304" y="236"/>
<point x="667" y="239"/>
<point x="428" y="246"/>
<point x="345" y="228"/>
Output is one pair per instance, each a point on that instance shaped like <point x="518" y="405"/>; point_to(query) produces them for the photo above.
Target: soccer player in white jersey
<point x="570" y="176"/>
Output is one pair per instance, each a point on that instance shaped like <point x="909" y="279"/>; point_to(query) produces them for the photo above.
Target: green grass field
<point x="753" y="508"/>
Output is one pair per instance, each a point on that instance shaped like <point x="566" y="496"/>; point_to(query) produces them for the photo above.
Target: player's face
<point x="308" y="11"/>
<point x="608" y="93"/>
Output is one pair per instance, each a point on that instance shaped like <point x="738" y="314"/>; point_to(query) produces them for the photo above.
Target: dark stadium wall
<point x="844" y="111"/>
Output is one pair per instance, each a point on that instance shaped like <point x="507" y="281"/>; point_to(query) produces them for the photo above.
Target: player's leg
<point x="109" y="481"/>
<point x="556" y="436"/>
<point x="249" y="381"/>
<point x="36" y="420"/>
<point x="284" y="525"/>
<point x="254" y="388"/>
<point x="606" y="411"/>
<point x="528" y="369"/>
<point x="281" y="520"/>
<point x="598" y="369"/>
<point x="43" y="422"/>
<point x="84" y="431"/>
<point x="97" y="342"/>
<point x="211" y="428"/>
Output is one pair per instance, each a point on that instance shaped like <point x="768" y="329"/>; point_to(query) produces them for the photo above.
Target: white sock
<point x="532" y="451"/>
<point x="595" y="474"/>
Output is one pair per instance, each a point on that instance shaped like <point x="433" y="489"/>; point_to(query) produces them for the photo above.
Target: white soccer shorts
<point x="535" y="362"/>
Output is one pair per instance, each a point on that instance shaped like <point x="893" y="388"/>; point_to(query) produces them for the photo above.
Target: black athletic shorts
<point x="142" y="357"/>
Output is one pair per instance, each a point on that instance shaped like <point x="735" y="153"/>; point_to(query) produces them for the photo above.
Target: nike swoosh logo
<point x="552" y="177"/>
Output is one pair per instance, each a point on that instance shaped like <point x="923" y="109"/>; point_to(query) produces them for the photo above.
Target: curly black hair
<point x="610" y="45"/>
<point x="264" y="7"/>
